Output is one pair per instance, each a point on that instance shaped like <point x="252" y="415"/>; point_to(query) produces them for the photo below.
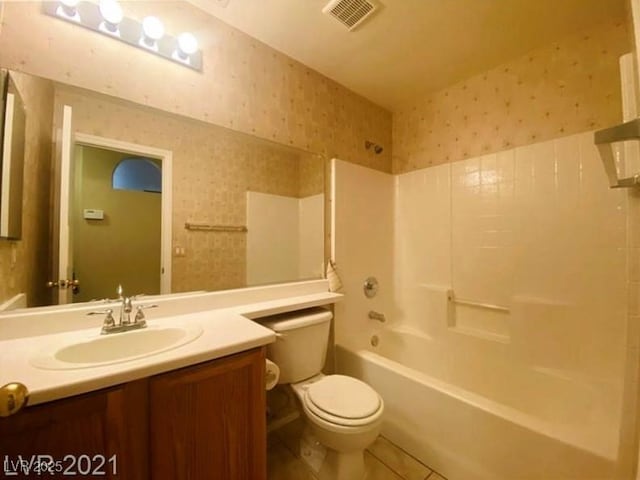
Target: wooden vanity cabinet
<point x="98" y="434"/>
<point x="201" y="422"/>
<point x="209" y="422"/>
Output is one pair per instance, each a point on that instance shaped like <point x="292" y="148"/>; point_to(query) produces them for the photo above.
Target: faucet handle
<point x="139" y="318"/>
<point x="108" y="323"/>
<point x="104" y="300"/>
<point x="107" y="312"/>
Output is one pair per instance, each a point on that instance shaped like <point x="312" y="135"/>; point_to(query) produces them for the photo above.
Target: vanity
<point x="194" y="411"/>
<point x="203" y="421"/>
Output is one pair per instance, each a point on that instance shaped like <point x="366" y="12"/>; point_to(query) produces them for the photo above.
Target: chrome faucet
<point x="124" y="324"/>
<point x="125" y="311"/>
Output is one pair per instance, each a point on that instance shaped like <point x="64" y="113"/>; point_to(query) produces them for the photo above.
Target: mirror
<point x="12" y="140"/>
<point x="202" y="208"/>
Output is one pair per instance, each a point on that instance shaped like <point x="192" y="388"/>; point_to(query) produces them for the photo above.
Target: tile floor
<point x="383" y="460"/>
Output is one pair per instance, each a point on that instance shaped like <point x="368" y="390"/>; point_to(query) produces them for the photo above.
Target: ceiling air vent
<point x="350" y="13"/>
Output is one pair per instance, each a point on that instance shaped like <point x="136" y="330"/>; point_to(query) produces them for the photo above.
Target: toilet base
<point x="343" y="466"/>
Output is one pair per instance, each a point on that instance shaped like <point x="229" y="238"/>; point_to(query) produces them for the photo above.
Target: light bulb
<point x="187" y="43"/>
<point x="67" y="9"/>
<point x="111" y="11"/>
<point x="153" y="28"/>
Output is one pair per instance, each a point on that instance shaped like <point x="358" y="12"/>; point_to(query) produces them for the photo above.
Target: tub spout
<point x="377" y="316"/>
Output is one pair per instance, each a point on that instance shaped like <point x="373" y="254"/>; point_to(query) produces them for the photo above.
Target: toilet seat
<point x="344" y="401"/>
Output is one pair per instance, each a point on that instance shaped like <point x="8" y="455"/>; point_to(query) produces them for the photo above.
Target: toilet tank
<point x="300" y="348"/>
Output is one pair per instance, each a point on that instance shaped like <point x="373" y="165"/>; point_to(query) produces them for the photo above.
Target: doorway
<point x="119" y="218"/>
<point x="116" y="215"/>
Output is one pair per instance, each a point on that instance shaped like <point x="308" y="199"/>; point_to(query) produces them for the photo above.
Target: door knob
<point x="13" y="397"/>
<point x="64" y="283"/>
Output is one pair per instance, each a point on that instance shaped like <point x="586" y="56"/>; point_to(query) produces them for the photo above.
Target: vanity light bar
<point x="88" y="15"/>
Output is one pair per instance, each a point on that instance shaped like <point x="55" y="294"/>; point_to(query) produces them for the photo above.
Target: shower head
<point x="376" y="148"/>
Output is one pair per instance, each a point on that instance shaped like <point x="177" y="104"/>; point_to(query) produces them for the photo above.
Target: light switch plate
<point x="93" y="214"/>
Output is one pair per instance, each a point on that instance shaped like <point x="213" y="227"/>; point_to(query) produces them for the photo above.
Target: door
<point x="96" y="435"/>
<point x="119" y="243"/>
<point x="65" y="277"/>
<point x="62" y="281"/>
<point x="209" y="422"/>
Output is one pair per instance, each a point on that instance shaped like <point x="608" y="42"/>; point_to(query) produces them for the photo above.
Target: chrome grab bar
<point x="469" y="303"/>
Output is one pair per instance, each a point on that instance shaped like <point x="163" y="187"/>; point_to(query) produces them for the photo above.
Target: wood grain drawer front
<point x="208" y="421"/>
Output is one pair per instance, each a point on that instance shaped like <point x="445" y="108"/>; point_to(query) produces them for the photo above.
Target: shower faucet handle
<point x="370" y="287"/>
<point x="373" y="315"/>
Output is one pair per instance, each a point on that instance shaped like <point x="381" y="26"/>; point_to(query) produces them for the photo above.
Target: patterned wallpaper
<point x="30" y="270"/>
<point x="213" y="168"/>
<point x="567" y="87"/>
<point x="245" y="85"/>
<point x="311" y="176"/>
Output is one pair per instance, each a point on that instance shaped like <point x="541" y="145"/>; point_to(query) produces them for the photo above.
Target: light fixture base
<point x="130" y="31"/>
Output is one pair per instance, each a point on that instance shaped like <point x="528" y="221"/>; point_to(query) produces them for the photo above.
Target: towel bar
<point x="215" y="228"/>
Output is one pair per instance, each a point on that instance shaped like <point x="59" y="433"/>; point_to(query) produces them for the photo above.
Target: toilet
<point x="344" y="413"/>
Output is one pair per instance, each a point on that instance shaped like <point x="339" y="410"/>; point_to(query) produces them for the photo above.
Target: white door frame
<point x="166" y="156"/>
<point x="62" y="239"/>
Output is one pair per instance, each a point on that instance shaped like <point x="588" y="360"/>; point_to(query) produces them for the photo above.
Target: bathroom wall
<point x="311" y="178"/>
<point x="567" y="87"/>
<point x="24" y="264"/>
<point x="212" y="170"/>
<point x="311" y="236"/>
<point x="363" y="246"/>
<point x="245" y="85"/>
<point x="124" y="247"/>
<point x="285" y="238"/>
<point x="631" y="404"/>
<point x="272" y="240"/>
<point x="629" y="435"/>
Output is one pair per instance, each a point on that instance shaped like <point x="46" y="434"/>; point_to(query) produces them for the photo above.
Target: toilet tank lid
<point x="297" y="319"/>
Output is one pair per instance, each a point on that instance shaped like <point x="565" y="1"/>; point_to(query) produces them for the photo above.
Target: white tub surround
<point x="225" y="318"/>
<point x="503" y="279"/>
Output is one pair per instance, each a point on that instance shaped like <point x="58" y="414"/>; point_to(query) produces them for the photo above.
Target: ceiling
<point x="410" y="47"/>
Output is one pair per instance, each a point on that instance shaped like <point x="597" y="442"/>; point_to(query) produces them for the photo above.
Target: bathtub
<point x="471" y="419"/>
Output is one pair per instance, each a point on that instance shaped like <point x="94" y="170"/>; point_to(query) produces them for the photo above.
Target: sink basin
<point x="99" y="350"/>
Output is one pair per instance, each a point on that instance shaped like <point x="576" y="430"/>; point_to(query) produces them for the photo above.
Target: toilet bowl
<point x="343" y="413"/>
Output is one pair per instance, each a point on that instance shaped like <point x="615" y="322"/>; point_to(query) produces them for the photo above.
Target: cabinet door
<point x="208" y="421"/>
<point x="99" y="435"/>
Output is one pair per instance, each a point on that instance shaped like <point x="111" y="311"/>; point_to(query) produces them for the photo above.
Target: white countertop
<point x="225" y="331"/>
